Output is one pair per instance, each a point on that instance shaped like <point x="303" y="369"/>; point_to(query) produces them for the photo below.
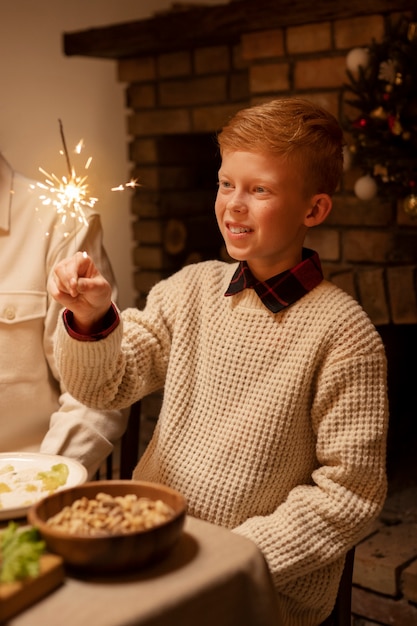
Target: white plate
<point x="19" y="472"/>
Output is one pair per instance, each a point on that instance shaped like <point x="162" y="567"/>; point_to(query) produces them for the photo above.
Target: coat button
<point x="9" y="313"/>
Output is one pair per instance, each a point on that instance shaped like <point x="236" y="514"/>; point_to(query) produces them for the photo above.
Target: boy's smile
<point x="262" y="211"/>
<point x="237" y="230"/>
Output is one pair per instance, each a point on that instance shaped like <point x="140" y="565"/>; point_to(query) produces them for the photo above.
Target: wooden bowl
<point x="110" y="553"/>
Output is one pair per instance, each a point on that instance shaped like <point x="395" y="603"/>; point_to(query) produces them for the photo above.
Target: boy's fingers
<point x="68" y="273"/>
<point x="65" y="281"/>
<point x="76" y="282"/>
<point x="84" y="265"/>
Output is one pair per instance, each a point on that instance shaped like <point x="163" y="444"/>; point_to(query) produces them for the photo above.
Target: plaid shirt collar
<point x="283" y="289"/>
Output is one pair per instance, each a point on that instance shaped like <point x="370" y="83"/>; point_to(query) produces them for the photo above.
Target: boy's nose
<point x="236" y="203"/>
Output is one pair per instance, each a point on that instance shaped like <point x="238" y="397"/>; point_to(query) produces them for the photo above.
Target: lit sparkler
<point x="69" y="195"/>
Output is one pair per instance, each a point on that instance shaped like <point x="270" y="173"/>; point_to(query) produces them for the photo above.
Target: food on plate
<point x="55" y="477"/>
<point x="23" y="486"/>
<point x="109" y="515"/>
<point x="20" y="552"/>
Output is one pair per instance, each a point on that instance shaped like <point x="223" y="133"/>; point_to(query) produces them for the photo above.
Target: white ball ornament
<point x="357" y="57"/>
<point x="365" y="188"/>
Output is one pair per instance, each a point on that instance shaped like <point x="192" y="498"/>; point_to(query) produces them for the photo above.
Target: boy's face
<point x="262" y="208"/>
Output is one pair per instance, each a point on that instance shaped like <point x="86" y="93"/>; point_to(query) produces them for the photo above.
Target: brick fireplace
<point x="186" y="71"/>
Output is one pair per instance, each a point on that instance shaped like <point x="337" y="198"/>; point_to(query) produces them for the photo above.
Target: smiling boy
<point x="274" y="417"/>
<point x="264" y="210"/>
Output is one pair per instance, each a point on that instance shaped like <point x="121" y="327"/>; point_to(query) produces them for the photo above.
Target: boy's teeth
<point x="237" y="230"/>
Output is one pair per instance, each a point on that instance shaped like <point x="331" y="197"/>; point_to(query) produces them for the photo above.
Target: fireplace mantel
<point x="213" y="25"/>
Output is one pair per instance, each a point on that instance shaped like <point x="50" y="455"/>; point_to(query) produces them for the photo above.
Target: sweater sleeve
<point x="75" y="429"/>
<point x="123" y="366"/>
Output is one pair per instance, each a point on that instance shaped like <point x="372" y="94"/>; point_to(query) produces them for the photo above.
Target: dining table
<point x="210" y="577"/>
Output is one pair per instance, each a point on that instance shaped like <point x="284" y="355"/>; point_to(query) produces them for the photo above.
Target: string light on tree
<point x="383" y="87"/>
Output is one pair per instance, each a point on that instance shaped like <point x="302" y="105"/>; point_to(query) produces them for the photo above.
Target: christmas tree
<point x="383" y="87"/>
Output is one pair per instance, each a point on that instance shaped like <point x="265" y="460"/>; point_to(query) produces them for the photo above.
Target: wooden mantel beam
<point x="215" y="24"/>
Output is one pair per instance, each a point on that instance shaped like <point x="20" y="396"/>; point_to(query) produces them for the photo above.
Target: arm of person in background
<point x="77" y="431"/>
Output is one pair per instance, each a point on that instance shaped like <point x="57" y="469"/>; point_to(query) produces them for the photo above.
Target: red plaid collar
<point x="283" y="289"/>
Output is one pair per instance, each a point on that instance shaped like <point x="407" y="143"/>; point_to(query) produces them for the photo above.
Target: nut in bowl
<point x="110" y="525"/>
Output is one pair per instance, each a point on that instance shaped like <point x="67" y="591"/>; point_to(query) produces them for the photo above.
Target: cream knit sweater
<point x="273" y="425"/>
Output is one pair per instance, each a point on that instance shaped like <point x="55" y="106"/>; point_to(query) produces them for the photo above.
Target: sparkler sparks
<point x="132" y="183"/>
<point x="69" y="195"/>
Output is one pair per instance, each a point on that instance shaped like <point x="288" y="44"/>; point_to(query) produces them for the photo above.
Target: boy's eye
<point x="224" y="183"/>
<point x="259" y="189"/>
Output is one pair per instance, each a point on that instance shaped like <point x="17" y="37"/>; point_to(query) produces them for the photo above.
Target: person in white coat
<point x="36" y="413"/>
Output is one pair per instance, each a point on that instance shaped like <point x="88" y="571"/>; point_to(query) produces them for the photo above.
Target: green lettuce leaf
<point x="20" y="551"/>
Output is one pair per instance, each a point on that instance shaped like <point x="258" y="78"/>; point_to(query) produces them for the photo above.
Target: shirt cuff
<point x="107" y="325"/>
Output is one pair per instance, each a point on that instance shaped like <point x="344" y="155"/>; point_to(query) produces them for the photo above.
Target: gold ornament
<point x="410" y="205"/>
<point x="379" y="114"/>
<point x="398" y="78"/>
<point x="412" y="31"/>
<point x="396" y="129"/>
<point x="381" y="170"/>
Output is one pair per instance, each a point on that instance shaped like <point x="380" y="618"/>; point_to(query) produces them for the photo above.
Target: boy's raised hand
<point x="77" y="285"/>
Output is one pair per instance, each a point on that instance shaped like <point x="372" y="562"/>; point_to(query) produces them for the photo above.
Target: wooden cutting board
<point x="16" y="596"/>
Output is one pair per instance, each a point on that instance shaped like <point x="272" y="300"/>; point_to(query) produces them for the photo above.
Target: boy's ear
<point x="321" y="205"/>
